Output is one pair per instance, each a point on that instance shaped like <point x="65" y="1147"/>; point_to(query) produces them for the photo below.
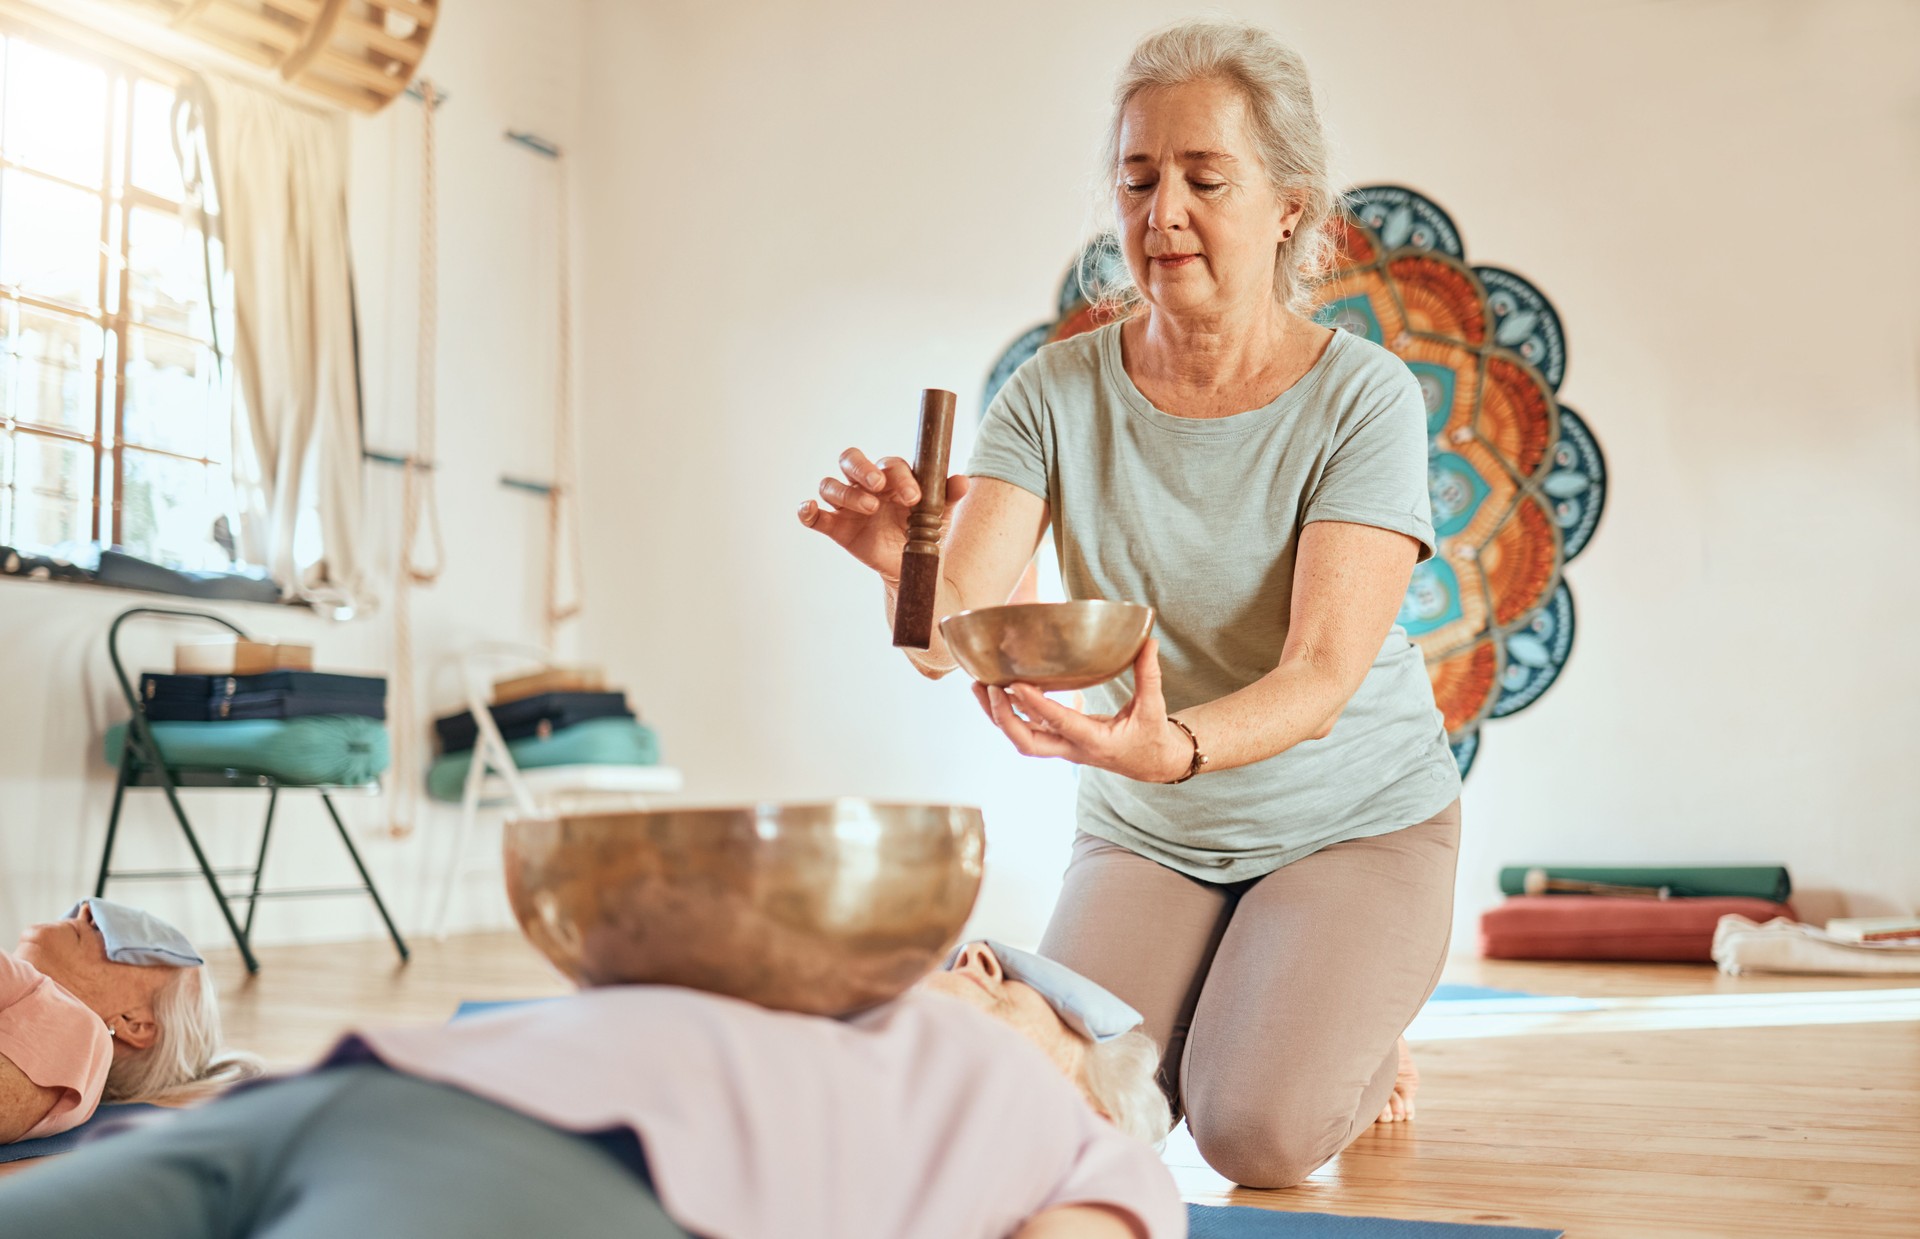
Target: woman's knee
<point x="1268" y="1147"/>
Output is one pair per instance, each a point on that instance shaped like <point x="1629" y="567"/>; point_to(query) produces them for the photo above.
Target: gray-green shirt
<point x="1201" y="519"/>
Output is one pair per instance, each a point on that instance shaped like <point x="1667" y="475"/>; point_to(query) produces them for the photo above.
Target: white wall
<point x="800" y="215"/>
<point x="504" y="66"/>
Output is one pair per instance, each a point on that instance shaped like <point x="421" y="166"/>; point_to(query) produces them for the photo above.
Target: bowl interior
<point x="1055" y="646"/>
<point x="823" y="908"/>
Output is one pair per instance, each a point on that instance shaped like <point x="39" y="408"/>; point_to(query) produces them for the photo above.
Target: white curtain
<point x="280" y="176"/>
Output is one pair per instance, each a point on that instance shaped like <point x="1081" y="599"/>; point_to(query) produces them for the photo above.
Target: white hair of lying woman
<point x="187" y="1059"/>
<point x="1119" y="1077"/>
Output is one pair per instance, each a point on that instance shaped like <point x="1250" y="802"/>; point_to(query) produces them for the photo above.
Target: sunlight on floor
<point x="1454" y="1021"/>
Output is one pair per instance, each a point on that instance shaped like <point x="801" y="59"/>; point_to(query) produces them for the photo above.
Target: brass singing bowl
<point x="1054" y="646"/>
<point x="824" y="908"/>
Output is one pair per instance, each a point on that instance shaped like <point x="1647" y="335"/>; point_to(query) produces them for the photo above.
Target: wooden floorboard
<point x="1601" y="1129"/>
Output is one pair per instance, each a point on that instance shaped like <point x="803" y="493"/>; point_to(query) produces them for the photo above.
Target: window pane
<point x="173" y="396"/>
<point x="56" y="113"/>
<point x="52" y="491"/>
<point x="48" y="368"/>
<point x="155" y="167"/>
<point x="49" y="238"/>
<point x="168" y="508"/>
<point x="167" y="273"/>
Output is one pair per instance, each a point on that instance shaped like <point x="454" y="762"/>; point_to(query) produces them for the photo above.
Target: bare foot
<point x="1405" y="1085"/>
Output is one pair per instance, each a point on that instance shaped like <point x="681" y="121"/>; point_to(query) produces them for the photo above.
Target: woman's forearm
<point x="1295" y="702"/>
<point x="22" y="1102"/>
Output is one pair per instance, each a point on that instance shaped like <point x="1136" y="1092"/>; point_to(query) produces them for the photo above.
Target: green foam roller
<point x="598" y="742"/>
<point x="1743" y="881"/>
<point x="319" y="751"/>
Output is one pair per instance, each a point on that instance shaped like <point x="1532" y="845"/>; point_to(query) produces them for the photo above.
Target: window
<point x="115" y="410"/>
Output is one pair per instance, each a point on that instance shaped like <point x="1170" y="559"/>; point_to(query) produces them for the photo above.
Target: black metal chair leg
<point x="399" y="943"/>
<point x="260" y="865"/>
<point x="139" y="733"/>
<point x="113" y="818"/>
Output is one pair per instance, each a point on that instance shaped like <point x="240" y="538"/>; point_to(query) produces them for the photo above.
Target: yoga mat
<point x="1446" y="993"/>
<point x="1475" y="993"/>
<point x="1240" y="1222"/>
<point x="482" y="1006"/>
<point x="1742" y="881"/>
<point x="46" y="1146"/>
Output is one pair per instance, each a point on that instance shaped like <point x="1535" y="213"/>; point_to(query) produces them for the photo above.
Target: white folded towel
<point x="1781" y="945"/>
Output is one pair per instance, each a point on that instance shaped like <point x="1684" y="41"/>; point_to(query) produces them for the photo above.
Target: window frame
<point x="114" y="316"/>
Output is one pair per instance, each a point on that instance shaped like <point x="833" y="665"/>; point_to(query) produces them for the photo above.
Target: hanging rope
<point x="419" y="500"/>
<point x="564" y="599"/>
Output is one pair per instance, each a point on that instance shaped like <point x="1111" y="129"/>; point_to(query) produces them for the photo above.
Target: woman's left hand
<point x="1138" y="742"/>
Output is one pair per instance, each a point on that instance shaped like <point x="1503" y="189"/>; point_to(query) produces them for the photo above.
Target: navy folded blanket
<point x="531" y="716"/>
<point x="270" y="694"/>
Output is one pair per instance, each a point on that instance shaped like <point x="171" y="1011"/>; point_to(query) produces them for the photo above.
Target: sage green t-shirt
<point x="1201" y="520"/>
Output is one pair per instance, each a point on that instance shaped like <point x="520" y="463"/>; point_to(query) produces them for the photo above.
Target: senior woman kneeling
<point x="106" y="1004"/>
<point x="1003" y="1096"/>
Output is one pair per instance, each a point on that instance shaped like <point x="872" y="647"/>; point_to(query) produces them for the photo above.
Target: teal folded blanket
<point x="598" y="742"/>
<point x="324" y="749"/>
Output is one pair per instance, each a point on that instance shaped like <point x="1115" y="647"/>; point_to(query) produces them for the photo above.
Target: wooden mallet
<point x="1540" y="882"/>
<point x="920" y="562"/>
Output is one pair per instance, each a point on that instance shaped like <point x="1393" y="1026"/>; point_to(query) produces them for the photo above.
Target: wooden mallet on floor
<point x="920" y="562"/>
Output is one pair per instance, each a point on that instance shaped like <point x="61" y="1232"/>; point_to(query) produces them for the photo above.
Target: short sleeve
<point x="55" y="1041"/>
<point x="1115" y="1170"/>
<point x="1014" y="444"/>
<point x="1377" y="474"/>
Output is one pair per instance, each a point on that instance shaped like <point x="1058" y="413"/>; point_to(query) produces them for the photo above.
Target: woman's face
<point x="73" y="953"/>
<point x="1199" y="221"/>
<point x="976" y="979"/>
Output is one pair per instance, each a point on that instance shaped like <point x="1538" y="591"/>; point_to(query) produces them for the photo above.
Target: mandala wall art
<point x="1517" y="480"/>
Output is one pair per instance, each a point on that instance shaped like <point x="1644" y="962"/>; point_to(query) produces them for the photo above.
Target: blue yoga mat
<point x="481" y="1007"/>
<point x="1239" y="1222"/>
<point x="1446" y="993"/>
<point x="46" y="1146"/>
<point x="1475" y="993"/>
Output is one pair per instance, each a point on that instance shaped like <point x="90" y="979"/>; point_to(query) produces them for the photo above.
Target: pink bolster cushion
<point x="1610" y="927"/>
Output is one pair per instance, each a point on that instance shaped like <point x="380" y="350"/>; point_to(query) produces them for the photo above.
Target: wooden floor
<point x="1684" y="1103"/>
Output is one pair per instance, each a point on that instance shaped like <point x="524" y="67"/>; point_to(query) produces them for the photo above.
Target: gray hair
<point x="1282" y="120"/>
<point x="186" y="1059"/>
<point x="1119" y="1078"/>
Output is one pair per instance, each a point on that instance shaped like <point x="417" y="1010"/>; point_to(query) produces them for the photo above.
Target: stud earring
<point x="1286" y="235"/>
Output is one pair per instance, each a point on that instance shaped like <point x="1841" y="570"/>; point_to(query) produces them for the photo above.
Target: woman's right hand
<point x="865" y="510"/>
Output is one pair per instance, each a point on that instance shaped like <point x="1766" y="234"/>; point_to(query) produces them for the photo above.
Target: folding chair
<point x="494" y="779"/>
<point x="141" y="766"/>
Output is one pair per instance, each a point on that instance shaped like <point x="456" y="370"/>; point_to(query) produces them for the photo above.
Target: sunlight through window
<point x="115" y="409"/>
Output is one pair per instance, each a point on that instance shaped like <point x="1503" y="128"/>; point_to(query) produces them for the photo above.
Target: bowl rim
<point x="753" y="808"/>
<point x="1096" y="603"/>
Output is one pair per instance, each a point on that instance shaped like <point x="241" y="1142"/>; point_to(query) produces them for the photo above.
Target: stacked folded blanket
<point x="1678" y="927"/>
<point x="544" y="730"/>
<point x="301" y="728"/>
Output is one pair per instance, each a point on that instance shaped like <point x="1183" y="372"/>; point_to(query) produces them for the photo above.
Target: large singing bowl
<point x="825" y="908"/>
<point x="1054" y="646"/>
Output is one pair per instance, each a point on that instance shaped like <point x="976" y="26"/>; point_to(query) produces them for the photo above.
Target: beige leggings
<point x="1277" y="1002"/>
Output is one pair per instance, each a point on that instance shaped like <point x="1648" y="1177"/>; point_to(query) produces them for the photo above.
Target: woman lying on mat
<point x="109" y="1004"/>
<point x="975" y="1105"/>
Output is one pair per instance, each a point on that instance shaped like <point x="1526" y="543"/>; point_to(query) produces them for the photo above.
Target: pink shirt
<point x="925" y="1119"/>
<point x="55" y="1041"/>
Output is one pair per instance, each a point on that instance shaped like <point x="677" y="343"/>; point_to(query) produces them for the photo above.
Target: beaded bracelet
<point x="1199" y="759"/>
